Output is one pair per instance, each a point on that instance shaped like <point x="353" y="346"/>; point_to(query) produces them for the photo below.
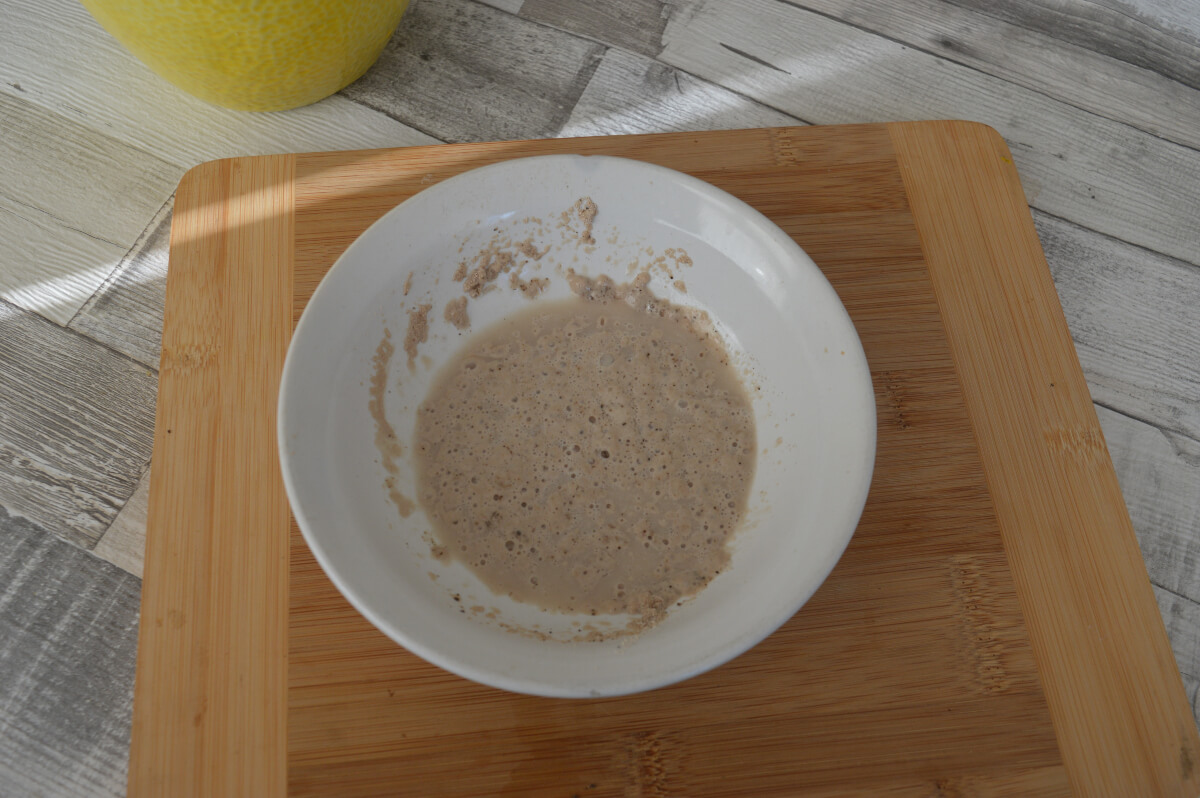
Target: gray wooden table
<point x="1099" y="101"/>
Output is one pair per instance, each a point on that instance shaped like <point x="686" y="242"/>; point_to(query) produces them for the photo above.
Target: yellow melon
<point x="255" y="55"/>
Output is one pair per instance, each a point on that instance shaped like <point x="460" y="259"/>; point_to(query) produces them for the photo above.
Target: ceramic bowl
<point x="782" y="321"/>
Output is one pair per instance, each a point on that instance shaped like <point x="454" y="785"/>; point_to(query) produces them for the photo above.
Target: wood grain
<point x="1191" y="685"/>
<point x="1105" y="85"/>
<point x="47" y="268"/>
<point x="126" y="312"/>
<point x="1112" y="28"/>
<point x="69" y="457"/>
<point x="1115" y="694"/>
<point x="124" y="542"/>
<point x="1159" y="474"/>
<point x="55" y="180"/>
<point x="510" y="6"/>
<point x="1177" y="20"/>
<point x="210" y="697"/>
<point x="68" y="623"/>
<point x="633" y="25"/>
<point x="1181" y="616"/>
<point x="1128" y="311"/>
<point x="632" y="94"/>
<point x="509" y="78"/>
<point x="64" y="239"/>
<point x="1100" y="174"/>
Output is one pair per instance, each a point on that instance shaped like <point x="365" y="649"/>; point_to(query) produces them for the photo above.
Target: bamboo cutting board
<point x="989" y="631"/>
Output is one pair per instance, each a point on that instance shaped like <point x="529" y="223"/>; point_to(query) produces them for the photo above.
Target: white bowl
<point x="813" y="402"/>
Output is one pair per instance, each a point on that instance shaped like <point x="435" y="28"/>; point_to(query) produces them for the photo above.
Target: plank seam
<point x="973" y="68"/>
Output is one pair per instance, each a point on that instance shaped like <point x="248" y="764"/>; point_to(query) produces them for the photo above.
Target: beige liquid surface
<point x="590" y="455"/>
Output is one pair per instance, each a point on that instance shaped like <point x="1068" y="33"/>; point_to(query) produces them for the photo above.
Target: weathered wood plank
<point x="1181" y="616"/>
<point x="124" y="544"/>
<point x="68" y="634"/>
<point x="1034" y="59"/>
<point x="63" y="60"/>
<point x="126" y="313"/>
<point x="62" y="184"/>
<point x="1079" y="574"/>
<point x="47" y="268"/>
<point x="1191" y="685"/>
<point x="1098" y="173"/>
<point x="511" y="6"/>
<point x="634" y="25"/>
<point x="1132" y="314"/>
<point x="462" y="71"/>
<point x="1116" y="29"/>
<point x="1159" y="474"/>
<point x="76" y="423"/>
<point x="84" y="179"/>
<point x="633" y="94"/>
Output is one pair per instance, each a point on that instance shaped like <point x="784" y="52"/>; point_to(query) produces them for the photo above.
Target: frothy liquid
<point x="588" y="456"/>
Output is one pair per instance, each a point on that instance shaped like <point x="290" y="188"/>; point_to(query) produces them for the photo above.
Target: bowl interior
<point x="785" y="327"/>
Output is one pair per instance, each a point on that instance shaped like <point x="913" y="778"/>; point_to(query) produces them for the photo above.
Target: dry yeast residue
<point x="418" y="332"/>
<point x="529" y="288"/>
<point x="386" y="443"/>
<point x="498" y="256"/>
<point x="530" y="250"/>
<point x="578" y="220"/>
<point x="456" y="313"/>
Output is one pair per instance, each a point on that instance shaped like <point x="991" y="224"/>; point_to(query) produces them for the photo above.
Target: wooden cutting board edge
<point x="1116" y="698"/>
<point x="1122" y="719"/>
<point x="213" y="626"/>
